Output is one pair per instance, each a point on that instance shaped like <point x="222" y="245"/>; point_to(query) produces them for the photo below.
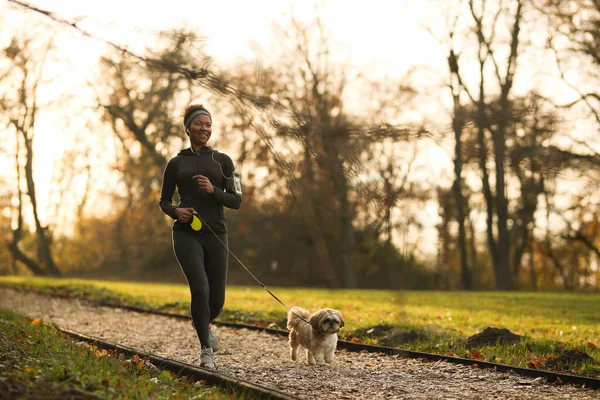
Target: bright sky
<point x="385" y="34"/>
<point x="381" y="37"/>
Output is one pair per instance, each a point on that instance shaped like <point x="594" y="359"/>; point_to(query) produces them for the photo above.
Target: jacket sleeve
<point x="228" y="197"/>
<point x="168" y="188"/>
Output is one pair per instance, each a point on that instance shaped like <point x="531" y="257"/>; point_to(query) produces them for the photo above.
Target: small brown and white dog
<point x="318" y="336"/>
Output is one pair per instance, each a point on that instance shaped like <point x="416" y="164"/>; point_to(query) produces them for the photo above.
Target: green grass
<point x="433" y="321"/>
<point x="36" y="361"/>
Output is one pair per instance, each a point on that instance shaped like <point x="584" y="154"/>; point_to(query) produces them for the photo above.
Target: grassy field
<point x="431" y="321"/>
<point x="37" y="362"/>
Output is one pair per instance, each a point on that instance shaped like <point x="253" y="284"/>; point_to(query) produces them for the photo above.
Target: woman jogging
<point x="207" y="182"/>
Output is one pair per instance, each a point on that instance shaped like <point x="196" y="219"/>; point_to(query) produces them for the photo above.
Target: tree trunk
<point x="485" y="180"/>
<point x="473" y="249"/>
<point x="499" y="249"/>
<point x="347" y="239"/>
<point x="310" y="215"/>
<point x="525" y="217"/>
<point x="532" y="272"/>
<point x="504" y="276"/>
<point x="559" y="268"/>
<point x="518" y="248"/>
<point x="348" y="244"/>
<point x="499" y="140"/>
<point x="18" y="255"/>
<point x="43" y="240"/>
<point x="13" y="246"/>
<point x="457" y="125"/>
<point x="444" y="242"/>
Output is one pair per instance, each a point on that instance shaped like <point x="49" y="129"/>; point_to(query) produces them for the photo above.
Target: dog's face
<point x="326" y="321"/>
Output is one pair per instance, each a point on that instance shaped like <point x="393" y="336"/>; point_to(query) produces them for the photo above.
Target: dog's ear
<point x="315" y="319"/>
<point x="342" y="323"/>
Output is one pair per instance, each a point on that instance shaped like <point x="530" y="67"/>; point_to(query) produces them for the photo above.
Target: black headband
<point x="193" y="115"/>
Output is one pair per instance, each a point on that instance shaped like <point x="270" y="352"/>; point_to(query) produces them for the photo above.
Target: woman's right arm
<point x="168" y="188"/>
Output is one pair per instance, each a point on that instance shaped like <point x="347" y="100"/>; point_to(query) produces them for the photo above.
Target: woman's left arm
<point x="231" y="197"/>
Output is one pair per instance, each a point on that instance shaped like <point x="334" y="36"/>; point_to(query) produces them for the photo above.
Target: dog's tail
<point x="294" y="316"/>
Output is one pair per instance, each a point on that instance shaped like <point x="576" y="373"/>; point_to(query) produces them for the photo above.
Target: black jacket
<point x="218" y="168"/>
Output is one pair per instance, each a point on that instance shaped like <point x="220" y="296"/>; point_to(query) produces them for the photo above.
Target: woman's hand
<point x="184" y="214"/>
<point x="204" y="183"/>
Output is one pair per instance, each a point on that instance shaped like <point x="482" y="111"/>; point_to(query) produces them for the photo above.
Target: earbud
<point x="187" y="130"/>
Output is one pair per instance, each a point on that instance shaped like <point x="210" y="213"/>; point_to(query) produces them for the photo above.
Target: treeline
<point x="332" y="195"/>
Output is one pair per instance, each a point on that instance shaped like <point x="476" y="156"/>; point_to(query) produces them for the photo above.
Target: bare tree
<point x="315" y="141"/>
<point x="496" y="201"/>
<point x="142" y="104"/>
<point x="309" y="94"/>
<point x="27" y="62"/>
<point x="459" y="120"/>
<point x="579" y="22"/>
<point x="489" y="111"/>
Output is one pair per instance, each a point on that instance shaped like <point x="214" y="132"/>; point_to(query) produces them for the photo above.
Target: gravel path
<point x="264" y="358"/>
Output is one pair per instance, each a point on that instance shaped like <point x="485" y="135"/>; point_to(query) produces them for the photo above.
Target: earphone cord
<point x="212" y="155"/>
<point x="251" y="274"/>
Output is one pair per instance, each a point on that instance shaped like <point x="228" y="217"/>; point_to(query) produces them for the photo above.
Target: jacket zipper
<point x="198" y="158"/>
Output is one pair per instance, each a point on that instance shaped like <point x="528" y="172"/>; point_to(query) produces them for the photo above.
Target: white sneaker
<point x="213" y="340"/>
<point x="207" y="358"/>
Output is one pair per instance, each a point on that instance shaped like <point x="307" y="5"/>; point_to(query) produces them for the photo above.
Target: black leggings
<point x="203" y="259"/>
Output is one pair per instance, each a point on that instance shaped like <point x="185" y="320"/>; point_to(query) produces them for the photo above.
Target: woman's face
<point x="200" y="130"/>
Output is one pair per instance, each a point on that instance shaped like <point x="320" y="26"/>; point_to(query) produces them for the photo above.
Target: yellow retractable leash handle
<point x="196" y="223"/>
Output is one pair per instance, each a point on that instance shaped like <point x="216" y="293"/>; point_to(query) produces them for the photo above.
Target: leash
<point x="197" y="224"/>
<point x="253" y="276"/>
